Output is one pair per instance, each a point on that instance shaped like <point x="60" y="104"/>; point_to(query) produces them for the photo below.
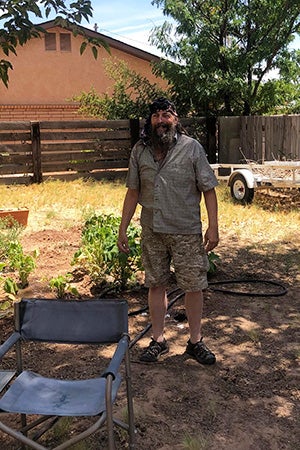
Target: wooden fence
<point x="266" y="138"/>
<point x="36" y="151"/>
<point x="259" y="138"/>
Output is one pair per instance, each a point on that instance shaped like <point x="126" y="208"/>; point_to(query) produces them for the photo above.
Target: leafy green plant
<point x="213" y="258"/>
<point x="12" y="255"/>
<point x="99" y="254"/>
<point x="11" y="289"/>
<point x="9" y="232"/>
<point x="18" y="260"/>
<point x="61" y="286"/>
<point x="130" y="97"/>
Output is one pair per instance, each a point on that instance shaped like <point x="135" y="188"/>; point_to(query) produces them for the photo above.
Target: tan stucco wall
<point x="53" y="77"/>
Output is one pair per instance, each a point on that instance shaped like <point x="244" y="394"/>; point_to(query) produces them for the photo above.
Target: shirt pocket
<point x="179" y="175"/>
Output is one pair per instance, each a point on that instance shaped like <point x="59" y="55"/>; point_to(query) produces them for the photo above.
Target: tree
<point x="282" y="94"/>
<point x="130" y="96"/>
<point x="220" y="51"/>
<point x="16" y="26"/>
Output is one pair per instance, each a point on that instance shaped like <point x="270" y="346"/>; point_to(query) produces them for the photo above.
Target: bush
<point x="99" y="255"/>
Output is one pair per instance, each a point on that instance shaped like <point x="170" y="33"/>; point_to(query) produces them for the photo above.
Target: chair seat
<point x="33" y="394"/>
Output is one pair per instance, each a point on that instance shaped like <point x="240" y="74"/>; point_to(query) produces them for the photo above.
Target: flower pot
<point x="20" y="215"/>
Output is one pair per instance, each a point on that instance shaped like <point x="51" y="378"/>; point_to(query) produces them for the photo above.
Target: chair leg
<point x="109" y="412"/>
<point x="131" y="430"/>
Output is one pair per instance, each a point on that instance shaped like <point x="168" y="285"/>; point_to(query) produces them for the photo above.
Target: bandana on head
<point x="162" y="104"/>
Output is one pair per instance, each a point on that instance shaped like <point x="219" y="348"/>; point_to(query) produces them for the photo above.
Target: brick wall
<point x="10" y="113"/>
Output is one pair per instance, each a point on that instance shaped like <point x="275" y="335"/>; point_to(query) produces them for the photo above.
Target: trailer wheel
<point x="240" y="191"/>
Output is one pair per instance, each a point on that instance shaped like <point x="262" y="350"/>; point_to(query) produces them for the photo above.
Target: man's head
<point x="161" y="125"/>
<point x="163" y="104"/>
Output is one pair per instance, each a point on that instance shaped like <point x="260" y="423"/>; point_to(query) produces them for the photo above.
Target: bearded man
<point x="168" y="172"/>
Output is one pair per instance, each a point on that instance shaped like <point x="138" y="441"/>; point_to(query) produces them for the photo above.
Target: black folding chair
<point x="98" y="321"/>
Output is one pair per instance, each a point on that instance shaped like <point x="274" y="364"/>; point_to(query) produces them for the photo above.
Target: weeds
<point x="254" y="335"/>
<point x="61" y="431"/>
<point x="195" y="443"/>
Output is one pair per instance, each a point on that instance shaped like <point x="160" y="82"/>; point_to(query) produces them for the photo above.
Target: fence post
<point x="36" y="152"/>
<point x="134" y="125"/>
<point x="211" y="131"/>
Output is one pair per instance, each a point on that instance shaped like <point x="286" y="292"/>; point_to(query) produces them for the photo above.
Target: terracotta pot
<point x="20" y="215"/>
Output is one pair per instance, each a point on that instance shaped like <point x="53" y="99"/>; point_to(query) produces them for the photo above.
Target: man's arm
<point x="129" y="206"/>
<point x="211" y="237"/>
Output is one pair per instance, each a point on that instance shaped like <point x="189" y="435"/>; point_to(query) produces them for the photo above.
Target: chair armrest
<point x="9" y="343"/>
<point x="5" y="377"/>
<point x="117" y="358"/>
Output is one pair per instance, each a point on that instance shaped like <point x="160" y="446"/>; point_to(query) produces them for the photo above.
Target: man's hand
<point x="211" y="239"/>
<point x="123" y="243"/>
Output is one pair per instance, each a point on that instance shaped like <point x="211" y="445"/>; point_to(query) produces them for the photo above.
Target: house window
<point x="50" y="41"/>
<point x="65" y="42"/>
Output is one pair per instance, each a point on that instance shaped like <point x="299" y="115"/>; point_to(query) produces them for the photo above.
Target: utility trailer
<point x="244" y="179"/>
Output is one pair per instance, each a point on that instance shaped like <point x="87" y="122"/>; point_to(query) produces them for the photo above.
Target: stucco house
<point x="50" y="70"/>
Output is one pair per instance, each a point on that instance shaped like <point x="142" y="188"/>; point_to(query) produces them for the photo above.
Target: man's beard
<point x="162" y="137"/>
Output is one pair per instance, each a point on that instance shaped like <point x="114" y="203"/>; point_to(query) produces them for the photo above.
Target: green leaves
<point x="12" y="256"/>
<point x="224" y="50"/>
<point x="17" y="25"/>
<point x="19" y="261"/>
<point x="213" y="259"/>
<point x="130" y="98"/>
<point x="61" y="285"/>
<point x="99" y="255"/>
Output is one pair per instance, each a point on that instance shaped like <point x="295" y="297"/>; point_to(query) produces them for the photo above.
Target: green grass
<point x="199" y="442"/>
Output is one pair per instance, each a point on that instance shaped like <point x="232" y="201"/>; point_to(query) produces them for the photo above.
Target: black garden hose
<point x="145" y="308"/>
<point x="147" y="328"/>
<point x="282" y="291"/>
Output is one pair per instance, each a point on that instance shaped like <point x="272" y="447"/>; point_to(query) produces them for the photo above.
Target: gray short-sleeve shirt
<point x="170" y="192"/>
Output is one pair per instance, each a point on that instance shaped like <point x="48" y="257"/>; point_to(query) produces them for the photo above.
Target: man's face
<point x="163" y="122"/>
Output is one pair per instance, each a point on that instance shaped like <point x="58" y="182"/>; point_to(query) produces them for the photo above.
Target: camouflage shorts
<point x="184" y="253"/>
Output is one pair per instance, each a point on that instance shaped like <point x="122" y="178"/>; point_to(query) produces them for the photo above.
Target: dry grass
<point x="63" y="204"/>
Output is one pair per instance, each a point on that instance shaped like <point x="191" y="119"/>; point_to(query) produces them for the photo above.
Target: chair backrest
<point x="72" y="321"/>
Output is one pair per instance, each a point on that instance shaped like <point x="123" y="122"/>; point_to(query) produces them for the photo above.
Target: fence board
<point x="113" y="155"/>
<point x="14" y="126"/>
<point x="15" y="148"/>
<point x="15" y="169"/>
<point x="15" y="136"/>
<point x="15" y="159"/>
<point x="18" y="179"/>
<point x="86" y="124"/>
<point x="117" y="145"/>
<point x="88" y="166"/>
<point x="84" y="135"/>
<point x="105" y="174"/>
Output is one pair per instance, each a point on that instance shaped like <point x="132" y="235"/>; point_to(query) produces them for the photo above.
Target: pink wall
<point x="53" y="77"/>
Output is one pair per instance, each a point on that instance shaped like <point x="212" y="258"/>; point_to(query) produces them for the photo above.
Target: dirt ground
<point x="249" y="400"/>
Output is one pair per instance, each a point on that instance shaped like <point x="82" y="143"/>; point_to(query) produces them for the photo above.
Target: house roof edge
<point x="114" y="43"/>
